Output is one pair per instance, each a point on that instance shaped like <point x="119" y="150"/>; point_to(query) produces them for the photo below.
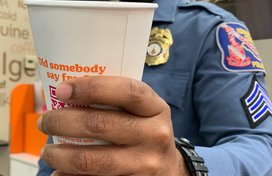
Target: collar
<point x="167" y="9"/>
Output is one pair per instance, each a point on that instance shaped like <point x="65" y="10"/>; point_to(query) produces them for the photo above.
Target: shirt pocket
<point x="169" y="86"/>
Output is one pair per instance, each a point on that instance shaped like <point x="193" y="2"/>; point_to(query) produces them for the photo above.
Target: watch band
<point x="194" y="163"/>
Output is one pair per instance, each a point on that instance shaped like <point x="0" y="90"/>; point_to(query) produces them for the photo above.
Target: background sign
<point x="15" y="43"/>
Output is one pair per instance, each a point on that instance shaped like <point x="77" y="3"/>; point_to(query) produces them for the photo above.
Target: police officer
<point x="209" y="84"/>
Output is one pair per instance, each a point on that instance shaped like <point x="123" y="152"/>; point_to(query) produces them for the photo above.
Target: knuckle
<point x="95" y="124"/>
<point x="167" y="109"/>
<point x="81" y="162"/>
<point x="137" y="92"/>
<point x="152" y="167"/>
<point x="164" y="137"/>
<point x="92" y="163"/>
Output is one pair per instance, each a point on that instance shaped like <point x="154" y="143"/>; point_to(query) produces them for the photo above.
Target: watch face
<point x="154" y="49"/>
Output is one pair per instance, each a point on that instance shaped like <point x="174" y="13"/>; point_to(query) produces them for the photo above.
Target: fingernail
<point x="41" y="152"/>
<point x="39" y="123"/>
<point x="64" y="91"/>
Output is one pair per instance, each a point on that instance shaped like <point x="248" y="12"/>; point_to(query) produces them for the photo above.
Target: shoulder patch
<point x="238" y="51"/>
<point x="256" y="103"/>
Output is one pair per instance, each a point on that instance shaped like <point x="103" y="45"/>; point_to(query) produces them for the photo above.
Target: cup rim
<point x="91" y="4"/>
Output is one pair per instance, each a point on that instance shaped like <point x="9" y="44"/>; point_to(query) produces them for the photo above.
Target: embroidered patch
<point x="238" y="51"/>
<point x="256" y="103"/>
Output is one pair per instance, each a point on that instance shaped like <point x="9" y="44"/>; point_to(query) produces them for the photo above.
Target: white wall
<point x="15" y="43"/>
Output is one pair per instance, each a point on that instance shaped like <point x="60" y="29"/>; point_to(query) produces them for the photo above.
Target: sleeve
<point x="238" y="143"/>
<point x="44" y="169"/>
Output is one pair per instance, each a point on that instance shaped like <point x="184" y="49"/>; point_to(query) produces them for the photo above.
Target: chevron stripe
<point x="262" y="112"/>
<point x="258" y="98"/>
<point x="255" y="91"/>
<point x="256" y="103"/>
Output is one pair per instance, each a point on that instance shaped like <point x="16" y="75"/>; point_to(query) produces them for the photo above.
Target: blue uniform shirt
<point x="206" y="84"/>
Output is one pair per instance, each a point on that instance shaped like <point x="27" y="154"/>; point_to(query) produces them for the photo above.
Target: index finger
<point x="134" y="96"/>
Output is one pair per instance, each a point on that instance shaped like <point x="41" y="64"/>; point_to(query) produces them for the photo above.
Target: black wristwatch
<point x="194" y="163"/>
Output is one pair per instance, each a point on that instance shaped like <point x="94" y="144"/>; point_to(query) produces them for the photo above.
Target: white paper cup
<point x="88" y="38"/>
